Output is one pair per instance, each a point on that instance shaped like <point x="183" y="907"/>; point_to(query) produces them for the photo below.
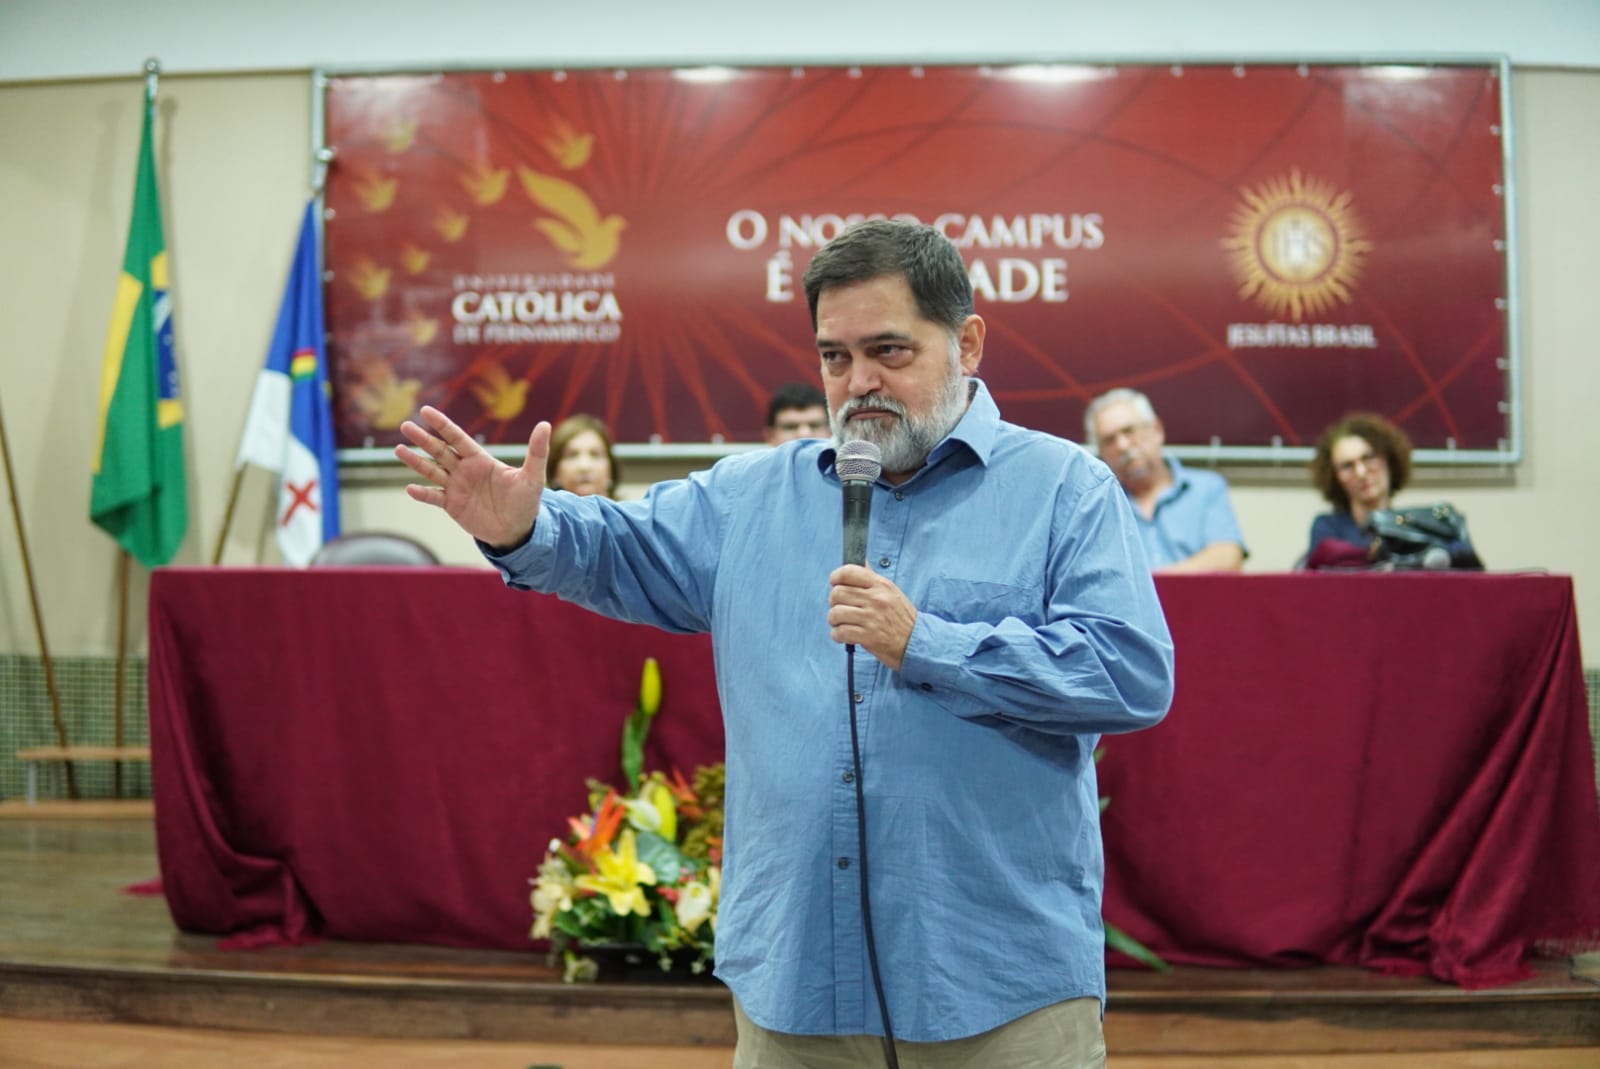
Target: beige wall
<point x="234" y="154"/>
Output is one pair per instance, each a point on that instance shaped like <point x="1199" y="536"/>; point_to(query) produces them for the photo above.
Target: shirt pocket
<point x="976" y="601"/>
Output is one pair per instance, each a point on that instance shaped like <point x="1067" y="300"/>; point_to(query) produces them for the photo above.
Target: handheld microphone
<point x="858" y="466"/>
<point x="1435" y="559"/>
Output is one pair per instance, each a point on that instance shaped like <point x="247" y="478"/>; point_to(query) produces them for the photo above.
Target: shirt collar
<point x="1180" y="478"/>
<point x="975" y="430"/>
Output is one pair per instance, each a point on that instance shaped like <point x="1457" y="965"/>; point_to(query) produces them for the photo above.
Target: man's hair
<point x="793" y="395"/>
<point x="1386" y="440"/>
<point x="1121" y="395"/>
<point x="925" y="258"/>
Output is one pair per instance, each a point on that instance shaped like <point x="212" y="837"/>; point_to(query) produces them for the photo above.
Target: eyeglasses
<point x="1130" y="432"/>
<point x="1368" y="460"/>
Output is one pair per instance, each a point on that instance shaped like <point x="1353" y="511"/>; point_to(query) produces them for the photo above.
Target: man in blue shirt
<point x="1185" y="517"/>
<point x="1010" y="617"/>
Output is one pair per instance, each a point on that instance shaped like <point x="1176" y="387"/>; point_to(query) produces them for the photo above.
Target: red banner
<point x="1258" y="248"/>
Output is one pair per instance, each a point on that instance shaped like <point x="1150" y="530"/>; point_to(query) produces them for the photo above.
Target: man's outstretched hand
<point x="490" y="500"/>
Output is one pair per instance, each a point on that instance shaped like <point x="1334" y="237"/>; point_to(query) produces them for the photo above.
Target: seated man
<point x="1185" y="516"/>
<point x="797" y="410"/>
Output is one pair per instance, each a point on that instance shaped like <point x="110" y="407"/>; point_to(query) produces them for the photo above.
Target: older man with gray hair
<point x="1008" y="619"/>
<point x="1185" y="517"/>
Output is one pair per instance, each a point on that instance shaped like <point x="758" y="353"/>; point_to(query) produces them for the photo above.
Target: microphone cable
<point x="858" y="465"/>
<point x="889" y="1055"/>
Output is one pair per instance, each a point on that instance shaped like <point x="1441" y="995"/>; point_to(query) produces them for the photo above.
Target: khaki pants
<point x="1064" y="1036"/>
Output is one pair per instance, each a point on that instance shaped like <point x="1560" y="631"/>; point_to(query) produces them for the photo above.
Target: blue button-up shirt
<point x="1038" y="629"/>
<point x="1191" y="514"/>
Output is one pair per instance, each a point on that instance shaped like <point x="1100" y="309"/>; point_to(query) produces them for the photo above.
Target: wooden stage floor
<point x="74" y="948"/>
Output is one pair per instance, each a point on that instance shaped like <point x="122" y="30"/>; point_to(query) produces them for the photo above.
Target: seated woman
<point x="1361" y="463"/>
<point x="581" y="460"/>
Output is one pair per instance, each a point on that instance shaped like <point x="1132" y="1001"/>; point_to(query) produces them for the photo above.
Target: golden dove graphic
<point x="422" y="328"/>
<point x="384" y="400"/>
<point x="376" y="192"/>
<point x="486" y="184"/>
<point x="501" y="398"/>
<point x="414" y="258"/>
<point x="402" y="133"/>
<point x="566" y="146"/>
<point x="588" y="240"/>
<point x="370" y="280"/>
<point x="451" y="224"/>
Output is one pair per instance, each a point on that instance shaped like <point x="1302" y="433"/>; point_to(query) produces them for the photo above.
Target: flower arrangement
<point x="641" y="869"/>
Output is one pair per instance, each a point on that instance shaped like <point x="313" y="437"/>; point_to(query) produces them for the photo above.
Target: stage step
<point x="73" y="948"/>
<point x="1207" y="1014"/>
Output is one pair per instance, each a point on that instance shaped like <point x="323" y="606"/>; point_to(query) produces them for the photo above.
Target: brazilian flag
<point x="139" y="497"/>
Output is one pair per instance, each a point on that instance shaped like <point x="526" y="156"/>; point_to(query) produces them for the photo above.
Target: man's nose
<point x="864" y="377"/>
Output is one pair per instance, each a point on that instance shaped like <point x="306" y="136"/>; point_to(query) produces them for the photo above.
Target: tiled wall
<point x="88" y="703"/>
<point x="1591" y="683"/>
<point x="87" y="686"/>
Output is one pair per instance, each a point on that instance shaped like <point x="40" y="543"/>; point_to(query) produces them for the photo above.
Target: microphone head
<point x="858" y="461"/>
<point x="1436" y="558"/>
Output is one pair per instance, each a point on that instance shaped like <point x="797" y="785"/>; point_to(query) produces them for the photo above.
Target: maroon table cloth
<point x="1391" y="771"/>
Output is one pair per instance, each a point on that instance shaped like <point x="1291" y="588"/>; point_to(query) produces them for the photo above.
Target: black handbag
<point x="1428" y="536"/>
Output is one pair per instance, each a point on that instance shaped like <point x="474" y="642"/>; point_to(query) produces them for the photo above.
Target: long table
<point x="1392" y="771"/>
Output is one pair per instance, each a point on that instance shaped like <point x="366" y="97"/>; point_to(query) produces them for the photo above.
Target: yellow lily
<point x="666" y="809"/>
<point x="650" y="687"/>
<point x="654" y="809"/>
<point x="621" y="876"/>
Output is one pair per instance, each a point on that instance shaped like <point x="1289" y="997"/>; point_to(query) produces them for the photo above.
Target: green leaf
<point x="664" y="859"/>
<point x="1123" y="943"/>
<point x="591" y="913"/>
<point x="634" y="731"/>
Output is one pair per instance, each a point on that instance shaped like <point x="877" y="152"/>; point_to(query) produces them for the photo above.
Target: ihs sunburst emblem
<point x="1296" y="245"/>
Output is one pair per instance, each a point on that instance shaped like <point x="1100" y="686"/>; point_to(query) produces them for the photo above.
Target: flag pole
<point x="122" y="666"/>
<point x="321" y="158"/>
<point x="138" y="494"/>
<point x="227" y="513"/>
<point x="152" y="81"/>
<point x="38" y="615"/>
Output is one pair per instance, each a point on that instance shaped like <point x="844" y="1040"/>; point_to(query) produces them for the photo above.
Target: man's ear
<point x="970" y="340"/>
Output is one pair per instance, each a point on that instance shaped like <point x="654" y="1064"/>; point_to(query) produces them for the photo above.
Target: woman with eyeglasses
<point x="1362" y="461"/>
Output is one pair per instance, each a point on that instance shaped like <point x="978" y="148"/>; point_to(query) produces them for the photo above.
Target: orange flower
<point x="689" y="807"/>
<point x="607" y="819"/>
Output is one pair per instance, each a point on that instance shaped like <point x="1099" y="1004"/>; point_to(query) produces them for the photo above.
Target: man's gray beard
<point x="1146" y="464"/>
<point x="903" y="443"/>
